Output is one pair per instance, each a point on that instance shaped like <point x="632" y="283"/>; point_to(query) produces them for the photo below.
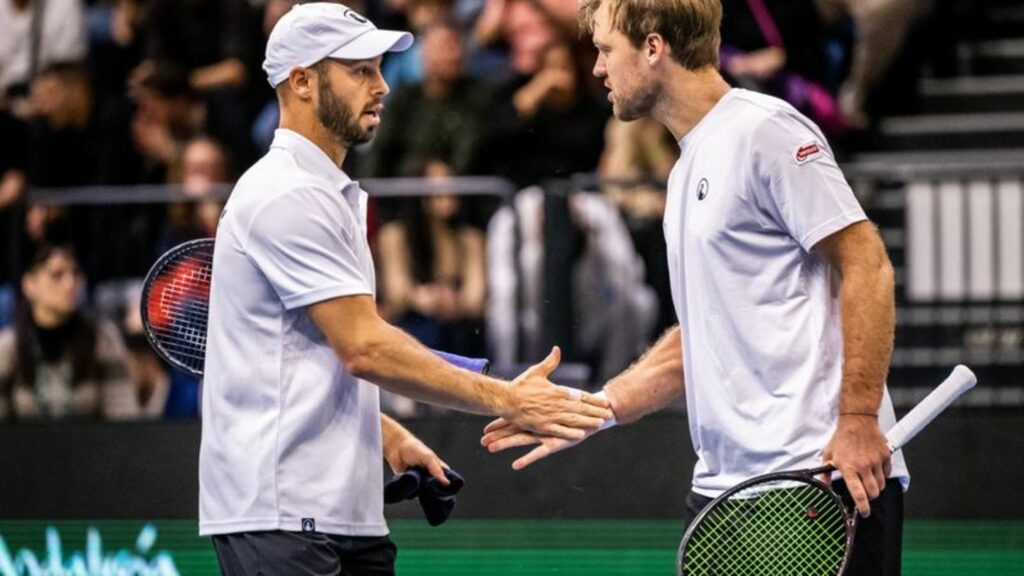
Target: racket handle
<point x="960" y="381"/>
<point x="478" y="365"/>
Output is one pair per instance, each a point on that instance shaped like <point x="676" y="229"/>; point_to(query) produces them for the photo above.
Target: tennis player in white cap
<point x="293" y="437"/>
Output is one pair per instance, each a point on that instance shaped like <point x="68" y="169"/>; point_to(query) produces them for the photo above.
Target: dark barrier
<point x="967" y="464"/>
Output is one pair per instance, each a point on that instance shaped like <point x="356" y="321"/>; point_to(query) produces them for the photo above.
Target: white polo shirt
<point x="755" y="188"/>
<point x="291" y="440"/>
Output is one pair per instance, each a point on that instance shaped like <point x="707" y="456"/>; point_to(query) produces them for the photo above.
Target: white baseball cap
<point x="308" y="33"/>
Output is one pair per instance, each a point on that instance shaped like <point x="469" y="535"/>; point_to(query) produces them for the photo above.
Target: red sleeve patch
<point x="807" y="152"/>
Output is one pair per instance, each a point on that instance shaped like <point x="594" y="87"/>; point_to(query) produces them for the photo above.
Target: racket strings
<point x="790" y="530"/>
<point x="178" y="304"/>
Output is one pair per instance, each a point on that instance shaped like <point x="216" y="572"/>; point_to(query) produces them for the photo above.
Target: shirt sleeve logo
<point x="807" y="153"/>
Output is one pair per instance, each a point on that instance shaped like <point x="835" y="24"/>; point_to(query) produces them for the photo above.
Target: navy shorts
<point x="279" y="553"/>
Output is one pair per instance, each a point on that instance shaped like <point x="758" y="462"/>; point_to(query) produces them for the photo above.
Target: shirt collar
<point x="312" y="158"/>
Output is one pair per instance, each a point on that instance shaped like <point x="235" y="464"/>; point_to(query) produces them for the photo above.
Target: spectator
<point x="150" y="379"/>
<point x="57" y="362"/>
<point x="161" y="392"/>
<point x="144" y="138"/>
<point x="143" y="144"/>
<point x="521" y="25"/>
<point x="208" y="38"/>
<point x="635" y="165"/>
<point x="214" y="43"/>
<point x="777" y="47"/>
<point x="204" y="167"/>
<point x="432" y="272"/>
<point x="61" y="38"/>
<point x="169" y="113"/>
<point x="116" y="43"/>
<point x="613" y="311"/>
<point x="56" y="150"/>
<point x="880" y="28"/>
<point x="548" y="125"/>
<point x="63" y="131"/>
<point x="60" y="152"/>
<point x="437" y="118"/>
<point x="408" y="67"/>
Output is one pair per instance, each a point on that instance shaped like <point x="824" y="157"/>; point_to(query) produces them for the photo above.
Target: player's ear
<point x="655" y="48"/>
<point x="301" y="82"/>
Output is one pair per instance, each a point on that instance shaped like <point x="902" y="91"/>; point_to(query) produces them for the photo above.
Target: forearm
<point x="868" y="317"/>
<point x="650" y="384"/>
<point x="392" y="434"/>
<point x="395" y="361"/>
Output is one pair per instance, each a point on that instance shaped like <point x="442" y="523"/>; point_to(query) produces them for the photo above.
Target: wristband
<point x="611" y="421"/>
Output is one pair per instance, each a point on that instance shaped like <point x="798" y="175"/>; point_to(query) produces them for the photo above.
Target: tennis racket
<point x="792" y="523"/>
<point x="176" y="305"/>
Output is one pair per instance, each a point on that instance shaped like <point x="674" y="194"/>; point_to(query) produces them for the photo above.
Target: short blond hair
<point x="691" y="28"/>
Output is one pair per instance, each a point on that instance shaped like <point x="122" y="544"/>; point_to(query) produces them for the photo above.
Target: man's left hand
<point x="411" y="452"/>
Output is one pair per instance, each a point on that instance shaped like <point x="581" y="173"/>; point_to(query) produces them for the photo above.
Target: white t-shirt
<point x="291" y="440"/>
<point x="755" y="188"/>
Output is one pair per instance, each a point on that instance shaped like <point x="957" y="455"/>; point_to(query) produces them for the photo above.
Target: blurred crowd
<point x="102" y="93"/>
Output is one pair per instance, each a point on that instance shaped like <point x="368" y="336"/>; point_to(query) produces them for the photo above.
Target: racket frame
<point x="960" y="380"/>
<point x="807" y="476"/>
<point x="166" y="259"/>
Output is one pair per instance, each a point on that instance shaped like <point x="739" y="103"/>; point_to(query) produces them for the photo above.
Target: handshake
<point x="531" y="410"/>
<point x="540" y="412"/>
<point x="503" y="433"/>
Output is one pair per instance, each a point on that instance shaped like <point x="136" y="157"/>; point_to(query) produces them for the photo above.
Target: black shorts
<point x="878" y="545"/>
<point x="279" y="553"/>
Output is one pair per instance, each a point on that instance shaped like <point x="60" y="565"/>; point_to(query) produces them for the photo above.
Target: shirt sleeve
<point x="800" y="184"/>
<point x="305" y="243"/>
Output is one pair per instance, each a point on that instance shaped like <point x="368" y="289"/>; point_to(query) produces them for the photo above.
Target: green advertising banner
<point x="471" y="548"/>
<point x="108" y="548"/>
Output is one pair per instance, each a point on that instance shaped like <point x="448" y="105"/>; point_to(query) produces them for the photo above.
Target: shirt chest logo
<point x="702" y="189"/>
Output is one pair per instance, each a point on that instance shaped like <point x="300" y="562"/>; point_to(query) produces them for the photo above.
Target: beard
<point x="639" y="104"/>
<point x="338" y="119"/>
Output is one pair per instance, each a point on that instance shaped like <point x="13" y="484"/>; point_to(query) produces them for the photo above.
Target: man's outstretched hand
<point x="500" y="435"/>
<point x="539" y="406"/>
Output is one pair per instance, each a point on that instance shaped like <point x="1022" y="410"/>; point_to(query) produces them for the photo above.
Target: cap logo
<point x="350" y="14"/>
